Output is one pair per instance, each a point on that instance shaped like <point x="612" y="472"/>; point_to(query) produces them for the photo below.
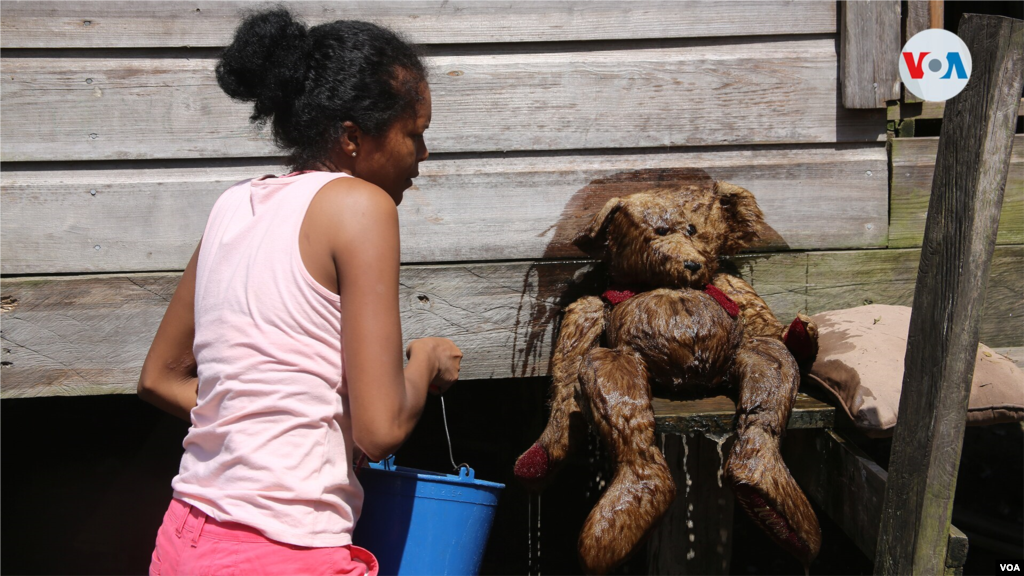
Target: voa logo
<point x="935" y="65"/>
<point x="1009" y="567"/>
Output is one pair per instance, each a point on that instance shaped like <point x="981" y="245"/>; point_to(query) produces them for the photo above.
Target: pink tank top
<point x="271" y="439"/>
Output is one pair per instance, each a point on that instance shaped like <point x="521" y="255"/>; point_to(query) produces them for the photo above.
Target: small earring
<point x="353" y="154"/>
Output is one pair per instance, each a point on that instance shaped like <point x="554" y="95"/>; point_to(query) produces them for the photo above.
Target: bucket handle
<point x="465" y="472"/>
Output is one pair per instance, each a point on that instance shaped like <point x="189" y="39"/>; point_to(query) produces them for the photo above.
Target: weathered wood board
<point x="93" y="24"/>
<point x="919" y="17"/>
<point x="89" y="334"/>
<point x="971" y="169"/>
<point x="848" y="486"/>
<point x="913" y="165"/>
<point x="1014" y="353"/>
<point x="716" y="415"/>
<point x="129" y="218"/>
<point x="695" y="535"/>
<point x="930" y="110"/>
<point x="869" y="40"/>
<point x="846" y="279"/>
<point x="719" y="93"/>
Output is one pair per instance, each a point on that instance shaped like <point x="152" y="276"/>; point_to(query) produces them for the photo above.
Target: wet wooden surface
<point x="716" y="415"/>
<point x="695" y="535"/>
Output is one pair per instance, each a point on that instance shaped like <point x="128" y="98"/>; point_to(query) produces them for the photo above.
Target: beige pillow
<point x="860" y="362"/>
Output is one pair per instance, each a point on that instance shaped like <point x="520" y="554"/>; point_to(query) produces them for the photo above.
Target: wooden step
<point x="716" y="415"/>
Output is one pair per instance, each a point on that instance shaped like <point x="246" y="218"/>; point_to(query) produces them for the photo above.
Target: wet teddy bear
<point x="671" y="323"/>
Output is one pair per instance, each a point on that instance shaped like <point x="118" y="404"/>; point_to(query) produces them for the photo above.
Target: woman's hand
<point x="445" y="354"/>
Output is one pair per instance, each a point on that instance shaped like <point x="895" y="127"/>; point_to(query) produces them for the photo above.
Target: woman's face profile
<point x="392" y="159"/>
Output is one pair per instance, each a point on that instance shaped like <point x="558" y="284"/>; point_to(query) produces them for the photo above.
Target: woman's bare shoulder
<point x="351" y="211"/>
<point x="356" y="193"/>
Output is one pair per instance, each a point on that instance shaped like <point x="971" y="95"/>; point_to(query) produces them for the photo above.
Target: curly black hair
<point x="308" y="81"/>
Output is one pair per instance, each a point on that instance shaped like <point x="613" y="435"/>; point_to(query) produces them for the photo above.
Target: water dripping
<point x="686" y="495"/>
<point x="533" y="536"/>
<point x="720" y="441"/>
<point x="529" y="533"/>
<point x="598" y="465"/>
<point x="686" y="472"/>
<point x="538" y="533"/>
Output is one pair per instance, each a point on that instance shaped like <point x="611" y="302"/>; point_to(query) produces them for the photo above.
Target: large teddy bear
<point x="671" y="323"/>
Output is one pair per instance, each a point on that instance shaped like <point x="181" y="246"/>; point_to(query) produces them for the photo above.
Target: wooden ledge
<point x="716" y="415"/>
<point x="925" y="110"/>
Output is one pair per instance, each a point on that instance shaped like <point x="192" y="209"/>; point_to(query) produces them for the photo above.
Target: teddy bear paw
<point x="768" y="494"/>
<point x="533" y="466"/>
<point x="801" y="339"/>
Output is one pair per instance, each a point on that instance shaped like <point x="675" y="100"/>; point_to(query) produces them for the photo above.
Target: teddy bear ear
<point x="594" y="237"/>
<point x="743" y="214"/>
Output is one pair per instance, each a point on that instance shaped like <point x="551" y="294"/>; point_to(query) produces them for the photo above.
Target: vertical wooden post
<point x="921" y="15"/>
<point x="869" y="52"/>
<point x="960" y="233"/>
<point x="935" y="13"/>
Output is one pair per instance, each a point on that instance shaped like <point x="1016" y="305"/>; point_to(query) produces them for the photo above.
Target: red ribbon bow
<point x="615" y="297"/>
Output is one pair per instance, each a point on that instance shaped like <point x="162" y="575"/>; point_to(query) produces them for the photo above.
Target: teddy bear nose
<point x="691" y="266"/>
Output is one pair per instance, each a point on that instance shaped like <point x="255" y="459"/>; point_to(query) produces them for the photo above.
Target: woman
<point x="282" y="343"/>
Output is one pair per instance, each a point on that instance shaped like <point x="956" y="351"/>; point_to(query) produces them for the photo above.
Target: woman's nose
<point x="424" y="154"/>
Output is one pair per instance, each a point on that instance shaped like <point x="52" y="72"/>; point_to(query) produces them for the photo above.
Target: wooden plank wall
<point x="116" y="141"/>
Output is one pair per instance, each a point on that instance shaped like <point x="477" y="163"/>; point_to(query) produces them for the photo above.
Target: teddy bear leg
<point x="768" y="381"/>
<point x="580" y="332"/>
<point x="615" y="397"/>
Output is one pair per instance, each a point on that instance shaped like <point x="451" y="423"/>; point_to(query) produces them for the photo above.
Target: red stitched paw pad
<point x="772" y="522"/>
<point x="799" y="341"/>
<point x="533" y="464"/>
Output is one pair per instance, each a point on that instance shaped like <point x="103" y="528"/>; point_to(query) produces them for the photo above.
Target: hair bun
<point x="266" y="62"/>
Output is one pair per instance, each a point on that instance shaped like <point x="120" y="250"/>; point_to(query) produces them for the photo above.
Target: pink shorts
<point x="189" y="542"/>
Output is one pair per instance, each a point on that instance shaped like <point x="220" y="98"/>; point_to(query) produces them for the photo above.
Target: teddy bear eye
<point x="691" y="230"/>
<point x="661" y="230"/>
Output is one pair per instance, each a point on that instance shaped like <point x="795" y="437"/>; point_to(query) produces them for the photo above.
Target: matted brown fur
<point x="672" y="336"/>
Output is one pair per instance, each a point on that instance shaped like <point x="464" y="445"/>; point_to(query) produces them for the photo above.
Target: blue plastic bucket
<point x="417" y="522"/>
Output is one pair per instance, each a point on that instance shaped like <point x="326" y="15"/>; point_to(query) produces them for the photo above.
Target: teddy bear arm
<point x="758" y="318"/>
<point x="581" y="331"/>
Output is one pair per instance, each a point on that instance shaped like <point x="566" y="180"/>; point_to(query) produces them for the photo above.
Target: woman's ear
<point x="350" y="139"/>
<point x="743" y="216"/>
<point x="594" y="238"/>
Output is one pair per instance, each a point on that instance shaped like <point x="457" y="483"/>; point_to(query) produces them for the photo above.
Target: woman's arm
<point x="385" y="400"/>
<point x="168" y="379"/>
